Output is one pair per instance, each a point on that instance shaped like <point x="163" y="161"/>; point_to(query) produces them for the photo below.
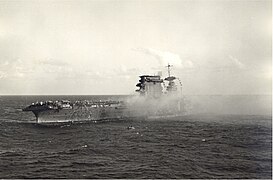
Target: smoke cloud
<point x="165" y="57"/>
<point x="236" y="62"/>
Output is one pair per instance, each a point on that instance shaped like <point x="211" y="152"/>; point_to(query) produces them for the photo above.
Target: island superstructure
<point x="154" y="99"/>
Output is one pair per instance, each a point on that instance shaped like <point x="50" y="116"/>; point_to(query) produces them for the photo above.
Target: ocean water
<point x="200" y="145"/>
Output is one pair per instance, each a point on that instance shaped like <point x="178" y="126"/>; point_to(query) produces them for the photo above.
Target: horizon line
<point x="129" y="94"/>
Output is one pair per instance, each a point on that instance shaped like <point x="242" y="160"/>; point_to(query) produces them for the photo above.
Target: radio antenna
<point x="169" y="69"/>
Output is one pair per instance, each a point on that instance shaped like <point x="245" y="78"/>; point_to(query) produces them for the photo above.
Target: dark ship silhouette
<point x="152" y="102"/>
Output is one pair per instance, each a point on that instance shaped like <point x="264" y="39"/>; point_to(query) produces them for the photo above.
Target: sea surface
<point x="197" y="145"/>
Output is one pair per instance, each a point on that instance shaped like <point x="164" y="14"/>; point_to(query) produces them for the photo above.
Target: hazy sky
<point x="101" y="47"/>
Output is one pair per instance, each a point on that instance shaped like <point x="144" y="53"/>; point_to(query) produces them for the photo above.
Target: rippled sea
<point x="192" y="146"/>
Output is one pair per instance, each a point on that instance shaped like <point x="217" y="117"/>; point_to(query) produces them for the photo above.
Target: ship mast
<point x="169" y="69"/>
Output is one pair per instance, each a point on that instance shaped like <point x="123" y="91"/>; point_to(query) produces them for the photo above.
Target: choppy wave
<point x="192" y="146"/>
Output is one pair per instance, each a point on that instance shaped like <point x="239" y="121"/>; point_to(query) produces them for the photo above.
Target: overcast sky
<point x="101" y="47"/>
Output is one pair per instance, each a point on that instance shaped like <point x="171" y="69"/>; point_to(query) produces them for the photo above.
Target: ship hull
<point x="78" y="115"/>
<point x="82" y="115"/>
<point x="103" y="111"/>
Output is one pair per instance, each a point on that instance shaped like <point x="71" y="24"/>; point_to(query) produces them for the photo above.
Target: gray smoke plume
<point x="164" y="58"/>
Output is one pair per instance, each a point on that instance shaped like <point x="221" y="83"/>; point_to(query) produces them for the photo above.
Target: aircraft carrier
<point x="157" y="97"/>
